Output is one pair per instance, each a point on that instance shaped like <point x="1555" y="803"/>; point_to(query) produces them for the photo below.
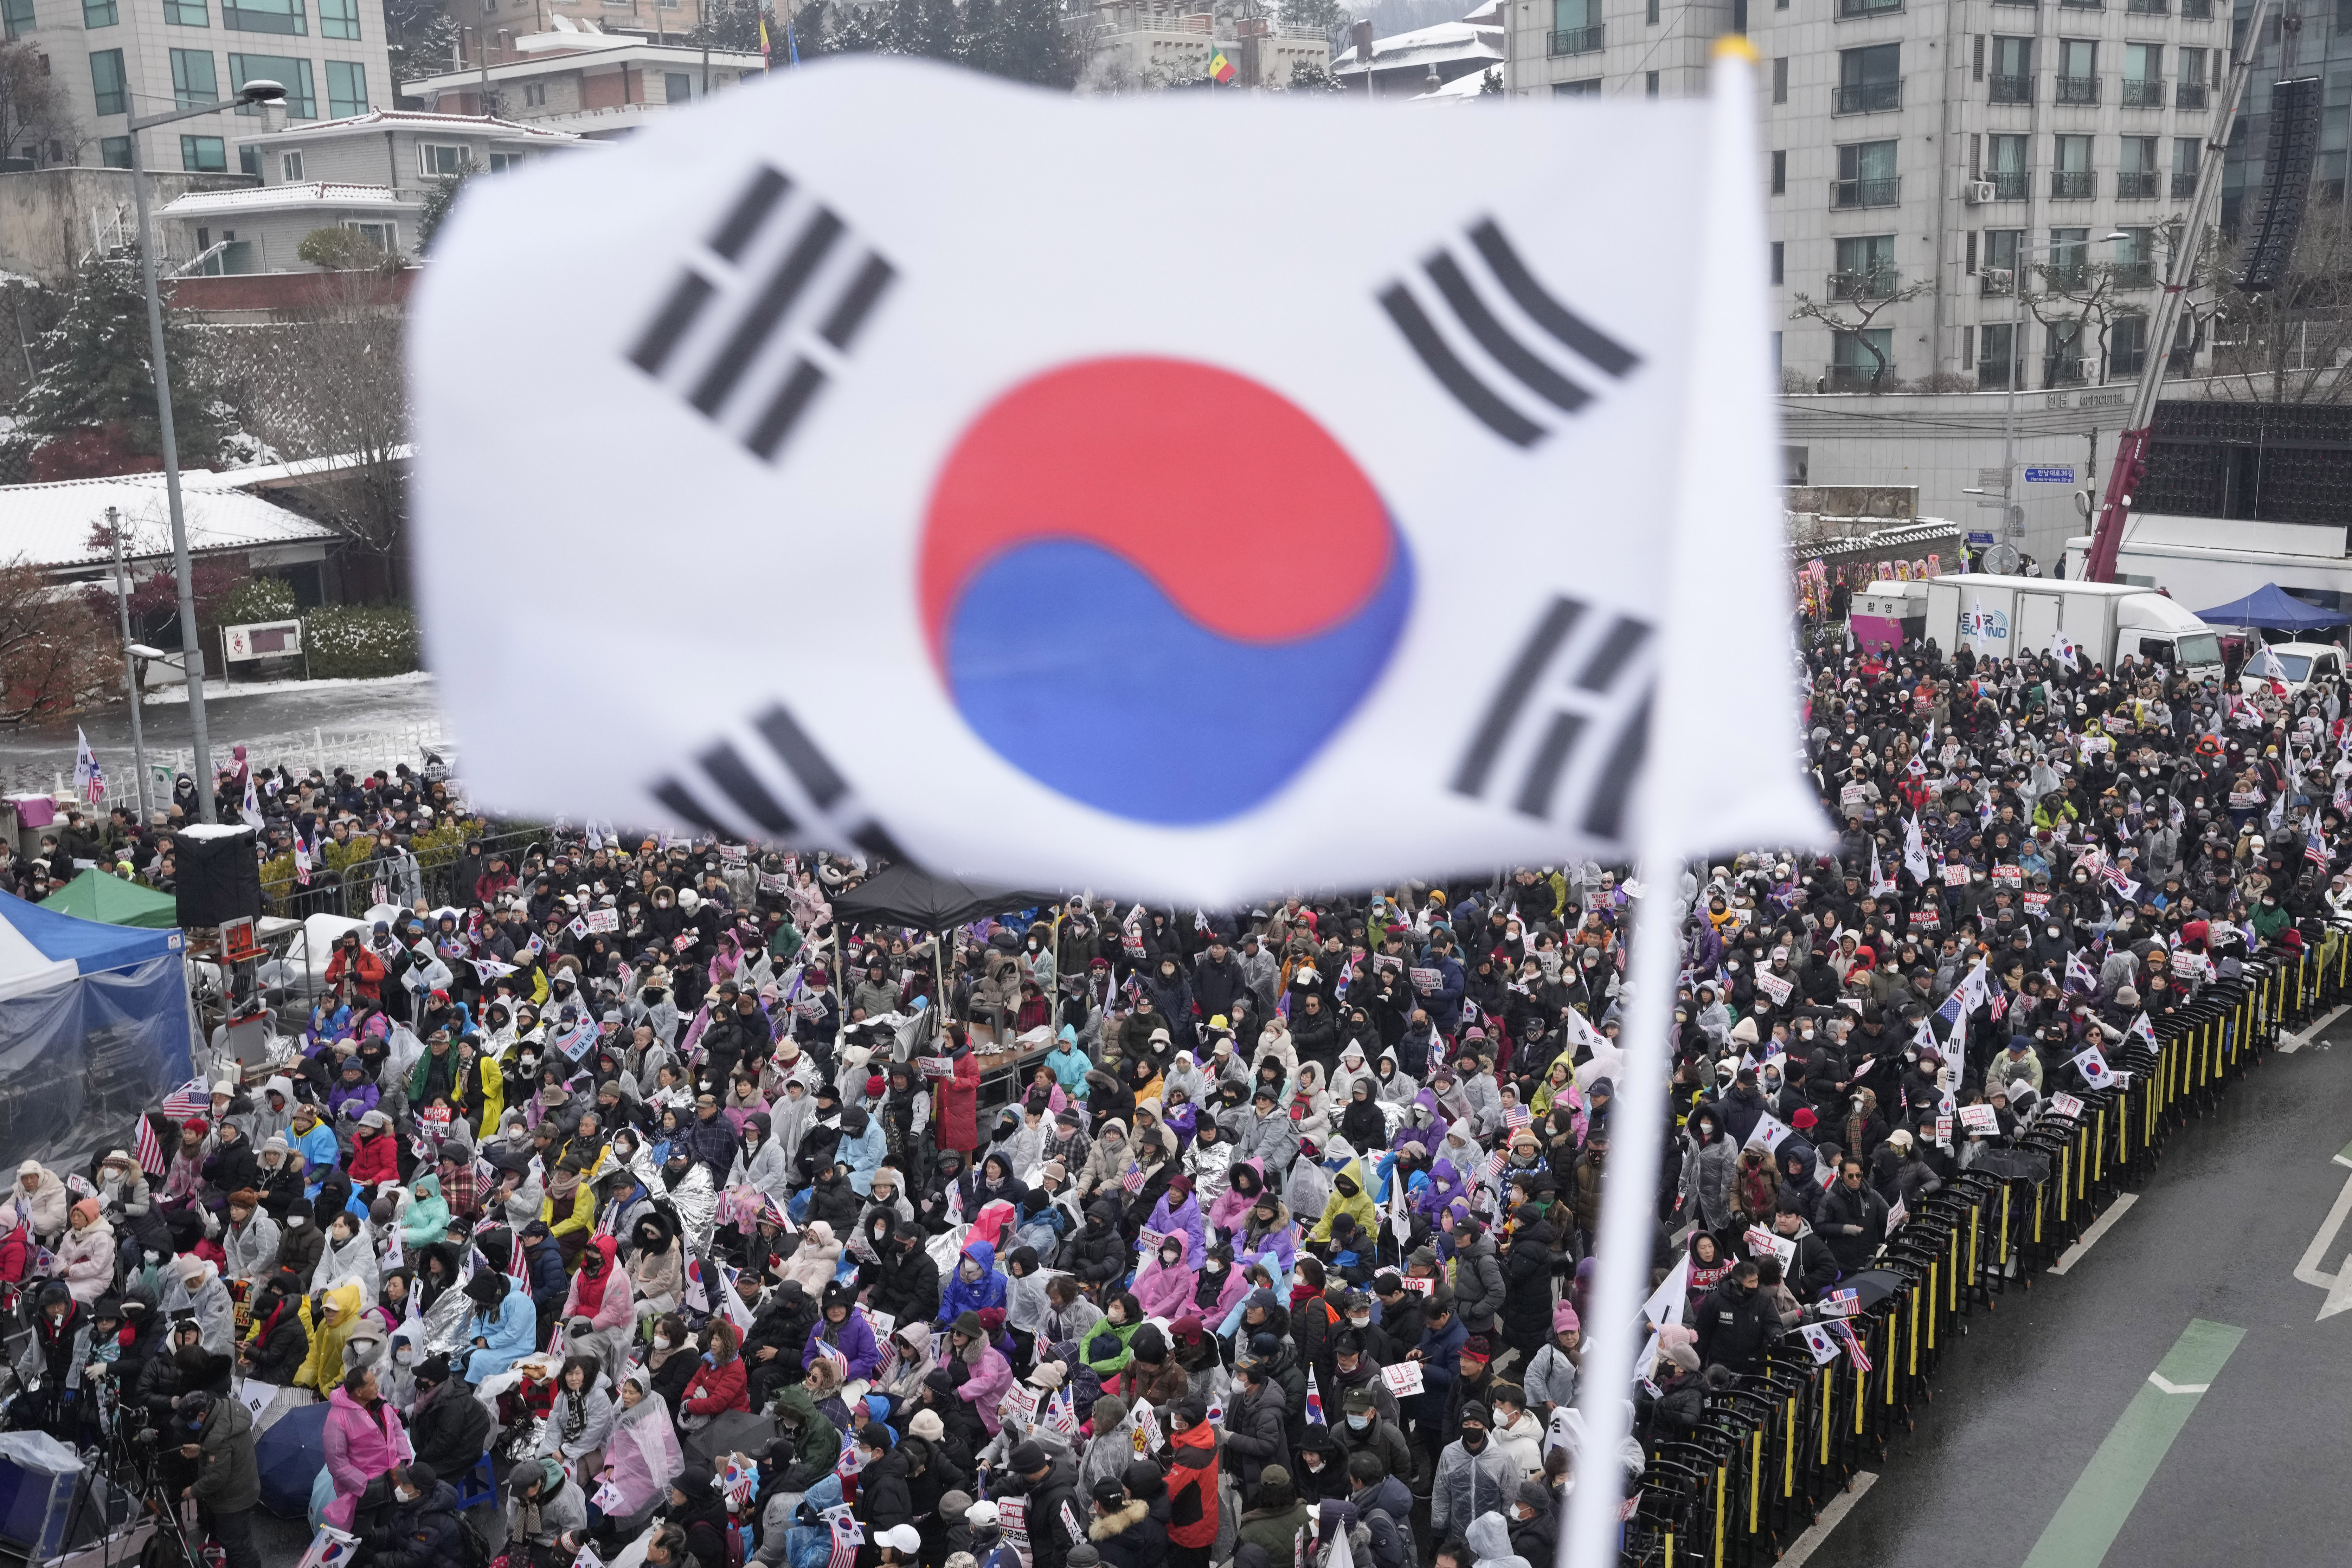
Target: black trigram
<point x="1569" y="680"/>
<point x="749" y="283"/>
<point x="748" y="785"/>
<point x="1470" y="292"/>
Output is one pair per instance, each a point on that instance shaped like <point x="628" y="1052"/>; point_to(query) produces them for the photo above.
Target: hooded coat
<point x="959" y="1295"/>
<point x="642" y="1455"/>
<point x="359" y="1445"/>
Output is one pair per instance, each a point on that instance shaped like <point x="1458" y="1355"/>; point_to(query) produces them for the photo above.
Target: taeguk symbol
<point x="1158" y="586"/>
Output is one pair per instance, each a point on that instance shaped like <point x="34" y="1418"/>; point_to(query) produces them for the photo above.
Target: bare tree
<point x="2291" y="343"/>
<point x="327" y="384"/>
<point x="2079" y="301"/>
<point x="54" y="654"/>
<point x="35" y="109"/>
<point x="1851" y="313"/>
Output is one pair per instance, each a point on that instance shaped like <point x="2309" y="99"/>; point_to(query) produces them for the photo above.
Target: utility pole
<point x="130" y="665"/>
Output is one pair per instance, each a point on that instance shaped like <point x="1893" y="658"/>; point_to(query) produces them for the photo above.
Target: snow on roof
<point x="310" y="194"/>
<point x="266" y="474"/>
<point x="49" y="524"/>
<point x="1468" y="85"/>
<point x="418" y="120"/>
<point x="1446" y="41"/>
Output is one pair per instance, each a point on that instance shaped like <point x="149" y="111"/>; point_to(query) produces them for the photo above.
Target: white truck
<point x="2008" y="617"/>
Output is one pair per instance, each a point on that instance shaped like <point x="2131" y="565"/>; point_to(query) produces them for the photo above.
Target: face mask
<point x="293" y="1222"/>
<point x="1359" y="1421"/>
<point x="1474" y="1441"/>
<point x="661" y="1342"/>
<point x="1214" y="1266"/>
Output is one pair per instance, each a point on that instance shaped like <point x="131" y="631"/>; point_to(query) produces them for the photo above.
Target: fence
<point x="360" y="753"/>
<point x="351" y="892"/>
<point x="1770" y="1452"/>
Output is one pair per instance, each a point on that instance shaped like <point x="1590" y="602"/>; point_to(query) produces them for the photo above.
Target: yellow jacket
<point x="579" y="1215"/>
<point x="1358" y="1205"/>
<point x="323" y="1368"/>
<point x="494" y="1091"/>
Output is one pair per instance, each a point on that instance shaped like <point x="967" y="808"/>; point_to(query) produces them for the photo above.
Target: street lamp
<point x="200" y="760"/>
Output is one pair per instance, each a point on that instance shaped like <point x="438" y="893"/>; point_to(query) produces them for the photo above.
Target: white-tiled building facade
<point x="1943" y="143"/>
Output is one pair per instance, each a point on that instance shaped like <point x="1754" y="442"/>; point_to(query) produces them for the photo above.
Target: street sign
<point x="2050" y="475"/>
<point x="1980" y="536"/>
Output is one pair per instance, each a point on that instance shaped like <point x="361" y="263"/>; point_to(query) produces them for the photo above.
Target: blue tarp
<point x="2271" y="605"/>
<point x="94" y="1030"/>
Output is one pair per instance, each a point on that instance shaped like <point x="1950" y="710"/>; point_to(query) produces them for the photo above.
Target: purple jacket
<point x="855" y="1340"/>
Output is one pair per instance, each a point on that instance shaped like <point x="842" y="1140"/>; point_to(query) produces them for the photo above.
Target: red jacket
<point x="1192" y="1487"/>
<point x="959" y="1102"/>
<point x="717" y="1388"/>
<point x="375" y="1157"/>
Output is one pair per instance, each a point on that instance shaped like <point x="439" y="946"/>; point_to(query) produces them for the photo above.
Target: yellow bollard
<point x="1722" y="1481"/>
<point x="1788" y="1458"/>
<point x="1755" y="1476"/>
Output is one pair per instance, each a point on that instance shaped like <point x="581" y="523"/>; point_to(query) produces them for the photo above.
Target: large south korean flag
<point x="1190" y="495"/>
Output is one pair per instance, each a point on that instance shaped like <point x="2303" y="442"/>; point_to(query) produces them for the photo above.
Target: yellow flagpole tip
<point x="1735" y="47"/>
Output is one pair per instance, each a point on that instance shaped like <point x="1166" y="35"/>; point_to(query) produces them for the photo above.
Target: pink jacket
<point x="358" y="1449"/>
<point x="617" y="1308"/>
<point x="991" y="1375"/>
<point x="1166" y="1293"/>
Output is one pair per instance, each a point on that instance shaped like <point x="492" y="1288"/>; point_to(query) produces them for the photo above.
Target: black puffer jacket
<point x="1526" y="1288"/>
<point x="1097" y="1252"/>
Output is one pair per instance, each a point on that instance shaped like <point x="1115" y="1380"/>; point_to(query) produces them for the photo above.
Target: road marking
<point x="2337" y="1285"/>
<point x="2099" y="1228"/>
<point x="2344" y="1156"/>
<point x="1805" y="1545"/>
<point x="2103" y="1496"/>
<point x="2295" y="1043"/>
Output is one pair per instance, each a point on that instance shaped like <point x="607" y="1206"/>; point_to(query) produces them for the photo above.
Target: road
<point x="276" y="724"/>
<point x="2048" y="1422"/>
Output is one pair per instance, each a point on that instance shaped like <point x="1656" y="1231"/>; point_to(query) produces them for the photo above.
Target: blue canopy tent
<point x="2272" y="607"/>
<point x="94" y="1029"/>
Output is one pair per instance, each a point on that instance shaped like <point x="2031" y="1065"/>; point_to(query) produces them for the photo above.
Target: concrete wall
<point x="49" y="217"/>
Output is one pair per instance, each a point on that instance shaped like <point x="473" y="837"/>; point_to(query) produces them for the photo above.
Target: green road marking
<point x="2108" y="1488"/>
<point x="2344" y="1156"/>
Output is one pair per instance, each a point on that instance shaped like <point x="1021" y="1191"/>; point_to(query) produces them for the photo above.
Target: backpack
<point x="735" y="1552"/>
<point x="1391" y="1541"/>
<point x="474" y="1550"/>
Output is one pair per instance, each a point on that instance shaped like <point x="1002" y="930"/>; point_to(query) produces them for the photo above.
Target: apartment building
<point x="1132" y="44"/>
<point x="1923" y="154"/>
<point x="573" y="78"/>
<point x="118" y="59"/>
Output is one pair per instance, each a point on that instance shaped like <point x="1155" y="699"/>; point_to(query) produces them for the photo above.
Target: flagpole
<point x="130" y="665"/>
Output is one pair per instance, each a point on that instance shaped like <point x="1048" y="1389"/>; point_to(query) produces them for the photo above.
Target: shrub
<point x="361" y="640"/>
<point x="342" y="250"/>
<point x="257" y="599"/>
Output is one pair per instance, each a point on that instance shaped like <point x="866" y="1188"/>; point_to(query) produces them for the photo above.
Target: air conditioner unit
<point x="1999" y="279"/>
<point x="1978" y="192"/>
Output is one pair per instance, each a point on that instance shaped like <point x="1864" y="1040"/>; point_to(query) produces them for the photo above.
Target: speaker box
<point x="218" y="877"/>
<point x="2293" y="147"/>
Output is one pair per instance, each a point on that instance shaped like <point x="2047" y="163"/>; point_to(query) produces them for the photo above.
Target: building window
<point x="2078" y="70"/>
<point x="2143" y="75"/>
<point x="2070" y="250"/>
<point x="2005" y="166"/>
<point x="2126" y="345"/>
<point x="502" y="161"/>
<point x="1967" y="345"/>
<point x="114" y="152"/>
<point x="534" y="94"/>
<point x="1861" y="361"/>
<point x="2137" y="178"/>
<point x="1869" y="80"/>
<point x="437" y="159"/>
<point x="2070" y="179"/>
<point x="285" y="16"/>
<point x="2013" y="70"/>
<point x="2136" y="258"/>
<point x="385" y="238"/>
<point x="192" y="81"/>
<point x="1780" y="79"/>
<point x="1576" y="27"/>
<point x="1865" y="176"/>
<point x="107" y="82"/>
<point x="1780" y="173"/>
<point x="204" y="154"/>
<point x="288" y="71"/>
<point x="289" y="168"/>
<point x="1590" y="88"/>
<point x="248" y="160"/>
<point x="2189" y="92"/>
<point x="1993" y="340"/>
<point x="18" y="16"/>
<point x="1649" y="14"/>
<point x="339" y="18"/>
<point x="1865" y="268"/>
<point x="346" y="88"/>
<point x="677" y="86"/>
<point x="187" y="12"/>
<point x="1779" y="262"/>
<point x="1649" y="84"/>
<point x="99" y="14"/>
<point x="2064" y="365"/>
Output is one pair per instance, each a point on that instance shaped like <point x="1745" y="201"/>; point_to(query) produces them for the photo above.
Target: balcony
<point x="2014" y="187"/>
<point x="2137" y="187"/>
<point x="1847" y="8"/>
<point x="2183" y="187"/>
<point x="2189" y="95"/>
<point x="1865" y="193"/>
<point x="2196" y="10"/>
<point x="2012" y="90"/>
<point x="2078" y="89"/>
<point x="1869" y="98"/>
<point x="2073" y="184"/>
<point x="1858" y="378"/>
<point x="2143" y="94"/>
<point x="2148" y="7"/>
<point x="2064" y="276"/>
<point x="2135" y="274"/>
<point x="1879" y="283"/>
<point x="1578" y="41"/>
<point x="1992" y="375"/>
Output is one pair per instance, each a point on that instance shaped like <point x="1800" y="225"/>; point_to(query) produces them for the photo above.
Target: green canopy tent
<point x="110" y="901"/>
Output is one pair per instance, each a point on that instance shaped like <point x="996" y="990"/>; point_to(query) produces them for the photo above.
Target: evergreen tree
<point x="93" y="399"/>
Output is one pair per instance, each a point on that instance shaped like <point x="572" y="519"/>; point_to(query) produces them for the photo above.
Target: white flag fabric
<point x="2267" y="665"/>
<point x="1117" y="595"/>
<point x="2091" y="1062"/>
<point x="1769" y="1133"/>
<point x="1914" y="850"/>
<point x="89" y="782"/>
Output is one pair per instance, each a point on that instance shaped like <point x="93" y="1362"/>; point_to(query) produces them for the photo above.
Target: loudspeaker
<point x="2293" y="147"/>
<point x="218" y="878"/>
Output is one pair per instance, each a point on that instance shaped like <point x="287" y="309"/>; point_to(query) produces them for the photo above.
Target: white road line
<point x="1805" y="1545"/>
<point x="2074" y="1254"/>
<point x="2295" y="1043"/>
<point x="2171" y="1388"/>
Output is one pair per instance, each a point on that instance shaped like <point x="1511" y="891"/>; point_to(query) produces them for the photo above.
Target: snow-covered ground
<point x="216" y="690"/>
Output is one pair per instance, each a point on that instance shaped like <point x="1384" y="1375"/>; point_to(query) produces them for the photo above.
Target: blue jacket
<point x="1444" y="1004"/>
<point x="862" y="1155"/>
<point x="318" y="1148"/>
<point x="1070" y="1068"/>
<point x="958" y="1294"/>
<point x="511" y="1330"/>
<point x="1441" y="1366"/>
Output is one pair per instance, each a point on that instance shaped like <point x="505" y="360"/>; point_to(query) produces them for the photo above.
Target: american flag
<point x="849" y="1535"/>
<point x="518" y="1264"/>
<point x="2316" y="848"/>
<point x="1518" y="1116"/>
<point x="1854" y="1352"/>
<point x="190" y="1099"/>
<point x="150" y="1151"/>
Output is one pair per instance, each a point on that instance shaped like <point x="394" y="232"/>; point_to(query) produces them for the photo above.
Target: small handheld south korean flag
<point x="2063" y="648"/>
<point x="1821" y="1343"/>
<point x="2091" y="1064"/>
<point x="829" y="344"/>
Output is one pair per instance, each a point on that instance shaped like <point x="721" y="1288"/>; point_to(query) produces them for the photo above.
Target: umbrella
<point x="729" y="1432"/>
<point x="290" y="1455"/>
<point x="2013" y="1165"/>
<point x="901" y="896"/>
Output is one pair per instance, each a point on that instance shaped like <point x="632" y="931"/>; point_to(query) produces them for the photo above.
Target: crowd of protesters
<point x="635" y="1170"/>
